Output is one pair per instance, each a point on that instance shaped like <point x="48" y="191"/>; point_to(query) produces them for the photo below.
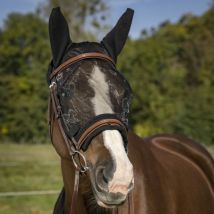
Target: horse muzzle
<point x="109" y="197"/>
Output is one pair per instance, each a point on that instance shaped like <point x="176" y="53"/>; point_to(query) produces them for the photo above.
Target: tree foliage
<point x="24" y="55"/>
<point x="172" y="75"/>
<point x="79" y="14"/>
<point x="170" y="70"/>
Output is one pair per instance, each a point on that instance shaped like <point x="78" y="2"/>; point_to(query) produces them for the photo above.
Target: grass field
<point x="28" y="168"/>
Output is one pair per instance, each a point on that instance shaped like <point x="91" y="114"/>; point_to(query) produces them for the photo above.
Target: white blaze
<point x="113" y="141"/>
<point x="123" y="174"/>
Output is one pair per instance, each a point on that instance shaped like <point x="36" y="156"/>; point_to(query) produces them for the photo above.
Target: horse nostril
<point x="105" y="179"/>
<point x="101" y="181"/>
<point x="102" y="175"/>
<point x="107" y="175"/>
<point x="108" y="172"/>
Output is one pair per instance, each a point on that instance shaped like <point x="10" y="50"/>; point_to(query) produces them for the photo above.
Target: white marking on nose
<point x="123" y="175"/>
<point x="113" y="141"/>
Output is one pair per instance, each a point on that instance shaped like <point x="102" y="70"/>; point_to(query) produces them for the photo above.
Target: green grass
<point x="27" y="168"/>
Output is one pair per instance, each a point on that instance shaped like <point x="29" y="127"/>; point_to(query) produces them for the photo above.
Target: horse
<point x="106" y="168"/>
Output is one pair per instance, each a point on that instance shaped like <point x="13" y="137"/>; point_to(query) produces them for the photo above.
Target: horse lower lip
<point x="106" y="200"/>
<point x="109" y="204"/>
<point x="112" y="203"/>
<point x="102" y="204"/>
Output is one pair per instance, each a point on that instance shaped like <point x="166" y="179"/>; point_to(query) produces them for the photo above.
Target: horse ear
<point x="116" y="38"/>
<point x="59" y="35"/>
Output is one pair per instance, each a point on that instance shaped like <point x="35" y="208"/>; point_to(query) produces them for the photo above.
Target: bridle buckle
<point x="52" y="84"/>
<point x="81" y="164"/>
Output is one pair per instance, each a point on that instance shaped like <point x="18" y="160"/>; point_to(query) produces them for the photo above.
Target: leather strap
<point x="57" y="111"/>
<point x="75" y="193"/>
<point x="92" y="55"/>
<point x="96" y="125"/>
<point x="53" y="101"/>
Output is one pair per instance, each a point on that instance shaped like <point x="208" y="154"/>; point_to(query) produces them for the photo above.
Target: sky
<point x="148" y="13"/>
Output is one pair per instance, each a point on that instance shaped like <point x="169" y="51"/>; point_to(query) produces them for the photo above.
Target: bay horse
<point x="106" y="168"/>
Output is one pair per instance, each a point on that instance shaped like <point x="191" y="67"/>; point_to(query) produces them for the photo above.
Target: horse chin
<point x="107" y="201"/>
<point x="108" y="204"/>
<point x="101" y="204"/>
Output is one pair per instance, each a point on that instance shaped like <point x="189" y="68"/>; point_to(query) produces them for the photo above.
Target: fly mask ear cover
<point x="85" y="133"/>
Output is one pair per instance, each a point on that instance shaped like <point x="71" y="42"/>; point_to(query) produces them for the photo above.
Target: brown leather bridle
<point x="91" y="55"/>
<point x="72" y="145"/>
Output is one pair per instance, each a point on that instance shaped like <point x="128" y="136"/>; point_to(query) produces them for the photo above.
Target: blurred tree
<point x="24" y="56"/>
<point x="144" y="34"/>
<point x="22" y="39"/>
<point x="171" y="73"/>
<point x="185" y="19"/>
<point x="211" y="2"/>
<point x="79" y="14"/>
<point x="164" y="24"/>
<point x="170" y="70"/>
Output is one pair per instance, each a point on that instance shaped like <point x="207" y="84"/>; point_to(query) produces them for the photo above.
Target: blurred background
<point x="168" y="60"/>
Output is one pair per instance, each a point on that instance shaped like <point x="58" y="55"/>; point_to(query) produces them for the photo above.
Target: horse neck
<point x="68" y="173"/>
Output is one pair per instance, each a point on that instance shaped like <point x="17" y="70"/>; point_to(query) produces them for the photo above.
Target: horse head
<point x="89" y="91"/>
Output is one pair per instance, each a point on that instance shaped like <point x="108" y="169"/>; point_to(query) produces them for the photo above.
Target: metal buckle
<point x="52" y="84"/>
<point x="82" y="163"/>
